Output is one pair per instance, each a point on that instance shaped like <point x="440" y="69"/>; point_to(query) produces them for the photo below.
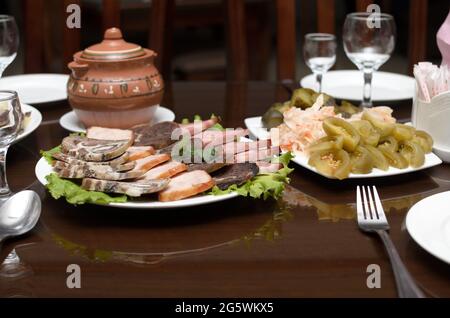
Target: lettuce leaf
<point x="263" y="185"/>
<point x="74" y="194"/>
<point x="48" y="154"/>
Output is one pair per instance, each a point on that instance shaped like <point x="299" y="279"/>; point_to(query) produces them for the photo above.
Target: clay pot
<point x="114" y="83"/>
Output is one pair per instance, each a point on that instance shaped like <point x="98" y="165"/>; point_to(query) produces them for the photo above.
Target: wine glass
<point x="9" y="41"/>
<point x="369" y="39"/>
<point x="319" y="52"/>
<point x="10" y="123"/>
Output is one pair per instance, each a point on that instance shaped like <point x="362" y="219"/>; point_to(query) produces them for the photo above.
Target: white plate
<point x="33" y="124"/>
<point x="37" y="88"/>
<point x="349" y="85"/>
<point x="70" y="121"/>
<point x="428" y="223"/>
<point x="43" y="169"/>
<point x="256" y="128"/>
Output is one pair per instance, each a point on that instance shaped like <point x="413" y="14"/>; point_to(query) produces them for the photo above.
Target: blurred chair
<point x="36" y="27"/>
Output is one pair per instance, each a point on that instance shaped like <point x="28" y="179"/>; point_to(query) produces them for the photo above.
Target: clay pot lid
<point x="113" y="47"/>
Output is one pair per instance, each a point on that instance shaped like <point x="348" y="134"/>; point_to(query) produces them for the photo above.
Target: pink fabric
<point x="443" y="41"/>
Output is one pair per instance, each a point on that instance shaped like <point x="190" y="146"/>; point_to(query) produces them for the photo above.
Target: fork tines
<point x="368" y="205"/>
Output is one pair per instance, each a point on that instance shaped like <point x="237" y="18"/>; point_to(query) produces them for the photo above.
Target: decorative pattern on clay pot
<point x="114" y="83"/>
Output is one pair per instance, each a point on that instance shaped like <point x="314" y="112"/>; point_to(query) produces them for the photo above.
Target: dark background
<point x="199" y="48"/>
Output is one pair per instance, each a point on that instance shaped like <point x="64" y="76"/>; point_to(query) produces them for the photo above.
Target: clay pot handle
<point x="78" y="69"/>
<point x="113" y="34"/>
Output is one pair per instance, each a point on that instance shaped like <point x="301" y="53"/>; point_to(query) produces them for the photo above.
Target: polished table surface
<point x="305" y="245"/>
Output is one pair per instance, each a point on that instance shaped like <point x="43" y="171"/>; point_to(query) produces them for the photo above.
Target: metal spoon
<point x="19" y="214"/>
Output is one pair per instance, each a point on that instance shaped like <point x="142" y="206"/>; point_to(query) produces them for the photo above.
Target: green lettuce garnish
<point x="263" y="185"/>
<point x="74" y="194"/>
<point x="48" y="154"/>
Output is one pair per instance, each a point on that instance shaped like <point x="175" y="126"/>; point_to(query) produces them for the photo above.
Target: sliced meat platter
<point x="139" y="161"/>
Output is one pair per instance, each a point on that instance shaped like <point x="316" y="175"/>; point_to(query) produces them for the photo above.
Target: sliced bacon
<point x="186" y="185"/>
<point x="139" y="152"/>
<point x="165" y="170"/>
<point x="145" y="164"/>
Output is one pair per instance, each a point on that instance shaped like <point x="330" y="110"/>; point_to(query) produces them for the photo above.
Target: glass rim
<point x="372" y="15"/>
<point x="13" y="94"/>
<point x="5" y="18"/>
<point x="320" y="36"/>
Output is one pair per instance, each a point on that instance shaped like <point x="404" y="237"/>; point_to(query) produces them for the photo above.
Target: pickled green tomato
<point x="385" y="129"/>
<point x="327" y="143"/>
<point x="334" y="126"/>
<point x="394" y="158"/>
<point x="369" y="135"/>
<point x="378" y="159"/>
<point x="424" y="140"/>
<point x="413" y="153"/>
<point x="361" y="161"/>
<point x="332" y="163"/>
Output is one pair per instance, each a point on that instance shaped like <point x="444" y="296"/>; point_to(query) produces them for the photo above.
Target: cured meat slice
<point x="166" y="170"/>
<point x="93" y="149"/>
<point x="139" y="152"/>
<point x="227" y="151"/>
<point x="199" y="126"/>
<point x="97" y="172"/>
<point x="102" y="133"/>
<point x="74" y="161"/>
<point x="145" y="164"/>
<point x="185" y="150"/>
<point x="256" y="155"/>
<point x="186" y="185"/>
<point x="208" y="167"/>
<point x="93" y="165"/>
<point x="132" y="189"/>
<point x="236" y="173"/>
<point x="158" y="136"/>
<point x="217" y="137"/>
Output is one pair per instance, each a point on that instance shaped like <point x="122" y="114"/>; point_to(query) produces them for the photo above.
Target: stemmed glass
<point x="10" y="123"/>
<point x="9" y="41"/>
<point x="319" y="52"/>
<point x="369" y="39"/>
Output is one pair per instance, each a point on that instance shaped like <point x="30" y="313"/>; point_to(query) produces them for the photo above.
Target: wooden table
<point x="305" y="245"/>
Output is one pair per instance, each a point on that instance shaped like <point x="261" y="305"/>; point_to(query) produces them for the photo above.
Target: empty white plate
<point x="37" y="88"/>
<point x="256" y="128"/>
<point x="428" y="223"/>
<point x="70" y="121"/>
<point x="349" y="85"/>
<point x="33" y="123"/>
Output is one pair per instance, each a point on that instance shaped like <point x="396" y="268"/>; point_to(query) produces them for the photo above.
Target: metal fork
<point x="371" y="218"/>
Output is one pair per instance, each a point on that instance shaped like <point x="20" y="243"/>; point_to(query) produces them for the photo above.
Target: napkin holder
<point x="434" y="118"/>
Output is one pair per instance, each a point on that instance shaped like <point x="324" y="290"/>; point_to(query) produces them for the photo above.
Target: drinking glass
<point x="319" y="52"/>
<point x="369" y="39"/>
<point x="10" y="124"/>
<point x="9" y="41"/>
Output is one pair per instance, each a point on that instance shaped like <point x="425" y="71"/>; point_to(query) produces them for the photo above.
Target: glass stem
<point x="4" y="188"/>
<point x="367" y="93"/>
<point x="319" y="81"/>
